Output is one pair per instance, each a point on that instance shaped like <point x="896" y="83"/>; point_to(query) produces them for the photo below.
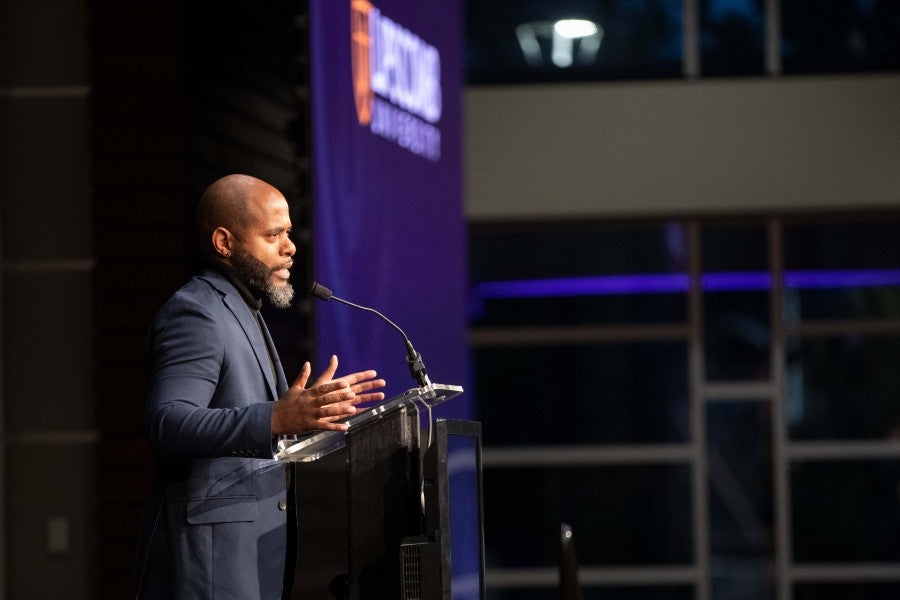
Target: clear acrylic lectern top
<point x="314" y="446"/>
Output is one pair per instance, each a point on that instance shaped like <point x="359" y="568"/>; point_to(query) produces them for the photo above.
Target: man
<point x="215" y="524"/>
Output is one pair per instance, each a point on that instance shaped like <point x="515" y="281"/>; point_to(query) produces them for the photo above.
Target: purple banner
<point x="389" y="229"/>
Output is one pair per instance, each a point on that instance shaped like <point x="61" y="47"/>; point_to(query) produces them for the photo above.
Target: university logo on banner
<point x="396" y="81"/>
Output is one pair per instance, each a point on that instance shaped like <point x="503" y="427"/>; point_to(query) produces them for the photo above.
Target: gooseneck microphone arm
<point x="413" y="358"/>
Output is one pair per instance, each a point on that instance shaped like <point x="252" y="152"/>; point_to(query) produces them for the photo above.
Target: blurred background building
<point x="685" y="278"/>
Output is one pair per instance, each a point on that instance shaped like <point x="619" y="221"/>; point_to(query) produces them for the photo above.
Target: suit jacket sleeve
<point x="198" y="406"/>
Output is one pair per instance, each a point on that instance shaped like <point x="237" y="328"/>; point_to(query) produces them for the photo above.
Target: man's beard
<point x="257" y="276"/>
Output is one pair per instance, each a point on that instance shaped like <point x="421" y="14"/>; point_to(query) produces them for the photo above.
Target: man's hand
<point x="325" y="402"/>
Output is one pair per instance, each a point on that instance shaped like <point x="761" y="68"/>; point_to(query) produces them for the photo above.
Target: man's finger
<point x="340" y="409"/>
<point x="324" y="389"/>
<point x="300" y="382"/>
<point x="335" y="398"/>
<point x="366" y="398"/>
<point x="325" y="425"/>
<point x="365" y="386"/>
<point x="328" y="374"/>
<point x="357" y="377"/>
<point x="333" y="419"/>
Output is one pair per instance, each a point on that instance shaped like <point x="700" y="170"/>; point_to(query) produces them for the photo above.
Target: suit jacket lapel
<point x="251" y="328"/>
<point x="281" y="383"/>
<point x="259" y="341"/>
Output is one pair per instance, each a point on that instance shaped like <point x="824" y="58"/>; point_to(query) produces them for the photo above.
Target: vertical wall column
<point x="141" y="224"/>
<point x="47" y="397"/>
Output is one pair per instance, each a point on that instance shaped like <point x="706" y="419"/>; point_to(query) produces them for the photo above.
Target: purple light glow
<point x="674" y="283"/>
<point x="841" y="279"/>
<point x="583" y="286"/>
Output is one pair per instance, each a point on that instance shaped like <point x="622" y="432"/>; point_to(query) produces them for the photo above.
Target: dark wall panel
<point x="183" y="93"/>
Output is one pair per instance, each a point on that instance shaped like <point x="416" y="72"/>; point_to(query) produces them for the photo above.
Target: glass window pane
<point x="596" y="593"/>
<point x="844" y="388"/>
<point x="731" y="248"/>
<point x="515" y="40"/>
<point x="589" y="394"/>
<point x="731" y="37"/>
<point x="736" y="335"/>
<point x="740" y="499"/>
<point x="740" y="478"/>
<point x="550" y="250"/>
<point x="488" y="310"/>
<point x="844" y="301"/>
<point x="848" y="244"/>
<point x="847" y="591"/>
<point x="620" y="515"/>
<point x="578" y="274"/>
<point x="845" y="511"/>
<point x="845" y="270"/>
<point x="639" y="593"/>
<point x="736" y="301"/>
<point x="840" y="35"/>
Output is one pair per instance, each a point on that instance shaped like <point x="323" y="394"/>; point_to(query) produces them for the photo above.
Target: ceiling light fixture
<point x="574" y="29"/>
<point x="561" y="43"/>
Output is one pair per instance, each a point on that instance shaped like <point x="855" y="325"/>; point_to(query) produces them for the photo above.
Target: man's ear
<point x="223" y="242"/>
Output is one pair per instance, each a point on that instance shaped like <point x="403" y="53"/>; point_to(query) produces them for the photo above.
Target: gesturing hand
<point x="326" y="402"/>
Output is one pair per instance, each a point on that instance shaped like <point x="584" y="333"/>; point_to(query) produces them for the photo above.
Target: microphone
<point x="413" y="358"/>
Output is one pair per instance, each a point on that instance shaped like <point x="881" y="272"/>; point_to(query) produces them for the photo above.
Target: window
<point x="616" y="363"/>
<point x="517" y="41"/>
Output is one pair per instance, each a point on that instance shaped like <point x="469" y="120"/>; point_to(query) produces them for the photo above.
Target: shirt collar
<point x="253" y="299"/>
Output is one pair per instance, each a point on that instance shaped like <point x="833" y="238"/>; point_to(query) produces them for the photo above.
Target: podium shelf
<point x="314" y="446"/>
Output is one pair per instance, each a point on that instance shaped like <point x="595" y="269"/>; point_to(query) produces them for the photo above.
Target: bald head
<point x="232" y="203"/>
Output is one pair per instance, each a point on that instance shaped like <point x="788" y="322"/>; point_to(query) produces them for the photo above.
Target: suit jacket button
<point x="282" y="505"/>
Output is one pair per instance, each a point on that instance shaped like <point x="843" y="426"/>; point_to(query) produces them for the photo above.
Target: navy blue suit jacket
<point x="214" y="525"/>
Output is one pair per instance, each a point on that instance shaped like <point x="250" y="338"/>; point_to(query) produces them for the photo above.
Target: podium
<point x="315" y="446"/>
<point x="381" y="456"/>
